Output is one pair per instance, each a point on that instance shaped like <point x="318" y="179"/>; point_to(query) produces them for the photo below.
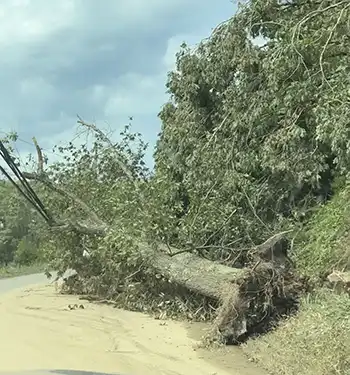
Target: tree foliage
<point x="254" y="134"/>
<point x="20" y="228"/>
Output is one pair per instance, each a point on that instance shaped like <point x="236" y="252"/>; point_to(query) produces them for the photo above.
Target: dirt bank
<point x="39" y="330"/>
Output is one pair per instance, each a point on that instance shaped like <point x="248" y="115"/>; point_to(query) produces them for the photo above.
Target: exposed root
<point x="230" y="321"/>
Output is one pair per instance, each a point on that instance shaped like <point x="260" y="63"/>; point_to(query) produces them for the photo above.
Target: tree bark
<point x="238" y="291"/>
<point x="195" y="273"/>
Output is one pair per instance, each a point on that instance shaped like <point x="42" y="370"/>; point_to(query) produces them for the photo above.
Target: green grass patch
<point x="324" y="245"/>
<point x="314" y="342"/>
<point x="15" y="270"/>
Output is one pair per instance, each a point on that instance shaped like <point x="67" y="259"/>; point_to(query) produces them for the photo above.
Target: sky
<point x="104" y="60"/>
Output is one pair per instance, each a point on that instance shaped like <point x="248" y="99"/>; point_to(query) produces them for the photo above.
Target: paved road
<point x="6" y="285"/>
<point x="100" y="338"/>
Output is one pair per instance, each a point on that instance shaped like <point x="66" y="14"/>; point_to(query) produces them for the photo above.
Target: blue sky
<point x="104" y="60"/>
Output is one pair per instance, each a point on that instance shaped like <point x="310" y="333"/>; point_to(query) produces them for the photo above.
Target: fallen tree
<point x="248" y="298"/>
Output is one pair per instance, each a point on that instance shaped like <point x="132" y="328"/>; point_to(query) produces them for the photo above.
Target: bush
<point x="27" y="252"/>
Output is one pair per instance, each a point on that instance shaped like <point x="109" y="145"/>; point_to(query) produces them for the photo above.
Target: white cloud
<point x="25" y="21"/>
<point x="102" y="60"/>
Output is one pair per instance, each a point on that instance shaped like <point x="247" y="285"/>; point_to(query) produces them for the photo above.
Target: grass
<point x="325" y="243"/>
<point x="15" y="270"/>
<point x="314" y="342"/>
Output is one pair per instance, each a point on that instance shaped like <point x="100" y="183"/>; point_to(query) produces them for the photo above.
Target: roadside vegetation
<point x="252" y="156"/>
<point x="14" y="270"/>
<point x="20" y="245"/>
<point x="317" y="339"/>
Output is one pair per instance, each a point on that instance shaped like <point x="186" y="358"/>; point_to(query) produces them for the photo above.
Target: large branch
<point x="99" y="132"/>
<point x="98" y="228"/>
<point x="43" y="178"/>
<point x="80" y="227"/>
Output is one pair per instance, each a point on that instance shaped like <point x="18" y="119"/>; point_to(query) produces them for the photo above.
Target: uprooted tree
<point x="121" y="249"/>
<point x="248" y="147"/>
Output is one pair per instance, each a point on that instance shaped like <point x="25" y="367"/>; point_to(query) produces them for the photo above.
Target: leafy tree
<point x="19" y="222"/>
<point x="253" y="134"/>
<point x="18" y="227"/>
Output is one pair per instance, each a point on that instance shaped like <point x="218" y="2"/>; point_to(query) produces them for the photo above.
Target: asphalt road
<point x="9" y="284"/>
<point x="6" y="285"/>
<point x="159" y="348"/>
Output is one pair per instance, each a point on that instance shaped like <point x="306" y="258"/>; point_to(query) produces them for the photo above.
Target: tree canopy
<point x="258" y="131"/>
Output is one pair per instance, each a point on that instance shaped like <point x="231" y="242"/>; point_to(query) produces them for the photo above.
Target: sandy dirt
<point x="39" y="331"/>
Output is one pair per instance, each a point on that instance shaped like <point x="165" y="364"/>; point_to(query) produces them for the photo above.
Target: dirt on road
<point x="38" y="330"/>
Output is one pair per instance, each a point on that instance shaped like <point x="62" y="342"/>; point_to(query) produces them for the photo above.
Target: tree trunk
<point x="244" y="295"/>
<point x="213" y="280"/>
<point x="195" y="273"/>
